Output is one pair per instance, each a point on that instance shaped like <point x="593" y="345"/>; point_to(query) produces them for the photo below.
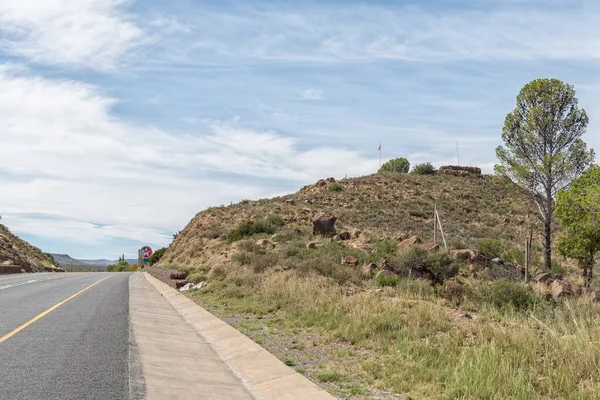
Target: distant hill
<point x="65" y="259"/>
<point x="17" y="252"/>
<point x="106" y="262"/>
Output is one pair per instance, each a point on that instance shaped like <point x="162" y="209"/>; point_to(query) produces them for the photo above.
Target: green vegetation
<point x="122" y="266"/>
<point x="254" y="227"/>
<point x="423" y="169"/>
<point x="156" y="256"/>
<point x="543" y="147"/>
<point x="335" y="187"/>
<point x="399" y="165"/>
<point x="577" y="209"/>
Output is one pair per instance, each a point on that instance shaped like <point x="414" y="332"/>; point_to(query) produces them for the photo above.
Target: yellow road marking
<point x="48" y="311"/>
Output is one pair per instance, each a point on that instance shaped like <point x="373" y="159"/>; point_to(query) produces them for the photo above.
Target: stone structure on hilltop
<point x="458" y="170"/>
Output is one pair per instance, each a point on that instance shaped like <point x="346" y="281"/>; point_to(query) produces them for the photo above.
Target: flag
<point x="379" y="148"/>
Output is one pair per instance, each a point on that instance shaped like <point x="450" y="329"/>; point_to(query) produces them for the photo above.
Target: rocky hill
<point x="19" y="253"/>
<point x="65" y="259"/>
<point x="471" y="206"/>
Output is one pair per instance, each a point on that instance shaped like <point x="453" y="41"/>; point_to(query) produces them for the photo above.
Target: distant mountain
<point x="65" y="259"/>
<point x="97" y="262"/>
<point x="107" y="262"/>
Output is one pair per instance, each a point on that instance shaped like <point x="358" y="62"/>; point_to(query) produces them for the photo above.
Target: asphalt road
<point x="78" y="350"/>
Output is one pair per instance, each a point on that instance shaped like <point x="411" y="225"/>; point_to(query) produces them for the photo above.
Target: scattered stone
<point x="365" y="237"/>
<point x="464" y="254"/>
<point x="345" y="236"/>
<point x="290" y="202"/>
<point x="200" y="285"/>
<point x="356" y="234"/>
<point x="324" y="225"/>
<point x="431" y="246"/>
<point x="311" y="245"/>
<point x="350" y="260"/>
<point x="409" y="242"/>
<point x="591" y="295"/>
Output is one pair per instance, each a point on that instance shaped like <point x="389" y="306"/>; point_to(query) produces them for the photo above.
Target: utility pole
<point x="457" y="156"/>
<point x="435" y="223"/>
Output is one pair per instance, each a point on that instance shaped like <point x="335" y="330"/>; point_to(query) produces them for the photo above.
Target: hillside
<point x="472" y="207"/>
<point x="367" y="316"/>
<point x="17" y="252"/>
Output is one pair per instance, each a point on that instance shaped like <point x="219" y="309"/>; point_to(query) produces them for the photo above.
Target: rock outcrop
<point x="324" y="226"/>
<point x="17" y="255"/>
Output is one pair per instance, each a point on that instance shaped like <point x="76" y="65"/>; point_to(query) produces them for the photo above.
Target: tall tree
<point x="578" y="211"/>
<point x="543" y="148"/>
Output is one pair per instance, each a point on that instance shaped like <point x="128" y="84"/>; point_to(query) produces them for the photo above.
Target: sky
<point x="120" y="120"/>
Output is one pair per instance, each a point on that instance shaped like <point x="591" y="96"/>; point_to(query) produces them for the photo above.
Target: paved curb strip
<point x="263" y="374"/>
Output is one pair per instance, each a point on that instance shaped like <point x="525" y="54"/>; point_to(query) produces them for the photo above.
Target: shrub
<point x="383" y="280"/>
<point x="156" y="256"/>
<point x="251" y="228"/>
<point x="439" y="265"/>
<point x="423" y="169"/>
<point x="504" y="294"/>
<point x="335" y="187"/>
<point x="557" y="269"/>
<point x="197" y="277"/>
<point x="400" y="165"/>
<point x="492" y="247"/>
<point x="276" y="220"/>
<point x="386" y="247"/>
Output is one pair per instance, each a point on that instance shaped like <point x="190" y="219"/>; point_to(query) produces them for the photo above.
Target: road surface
<point x="78" y="350"/>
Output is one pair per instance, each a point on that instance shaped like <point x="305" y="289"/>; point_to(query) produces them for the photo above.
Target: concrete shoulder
<point x="263" y="374"/>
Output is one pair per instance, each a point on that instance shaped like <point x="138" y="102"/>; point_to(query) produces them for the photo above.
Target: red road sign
<point x="146" y="252"/>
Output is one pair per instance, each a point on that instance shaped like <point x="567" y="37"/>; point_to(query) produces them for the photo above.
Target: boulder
<point x="464" y="254"/>
<point x="431" y="246"/>
<point x="386" y="265"/>
<point x="345" y="236"/>
<point x="365" y="237"/>
<point x="409" y="242"/>
<point x="324" y="226"/>
<point x="560" y="289"/>
<point x="350" y="260"/>
<point x="290" y="202"/>
<point x="369" y="269"/>
<point x="311" y="245"/>
<point x="356" y="234"/>
<point x="543" y="277"/>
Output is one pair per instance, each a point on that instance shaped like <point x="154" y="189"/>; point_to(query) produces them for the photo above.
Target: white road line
<point x="25" y="283"/>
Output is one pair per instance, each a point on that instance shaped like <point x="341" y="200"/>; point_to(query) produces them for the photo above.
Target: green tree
<point x="577" y="209"/>
<point x="543" y="148"/>
<point x="156" y="256"/>
<point x="400" y="165"/>
<point x="423" y="169"/>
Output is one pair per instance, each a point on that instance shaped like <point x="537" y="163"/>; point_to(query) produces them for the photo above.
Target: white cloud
<point x="64" y="154"/>
<point x="325" y="32"/>
<point x="311" y="94"/>
<point x="90" y="33"/>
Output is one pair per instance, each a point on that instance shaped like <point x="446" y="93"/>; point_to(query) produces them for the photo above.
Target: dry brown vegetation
<point x="368" y="338"/>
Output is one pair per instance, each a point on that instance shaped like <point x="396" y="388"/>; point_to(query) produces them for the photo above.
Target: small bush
<point x="383" y="281"/>
<point x="423" y="169"/>
<point x="417" y="260"/>
<point x="386" y="247"/>
<point x="492" y="247"/>
<point x="504" y="294"/>
<point x="197" y="277"/>
<point x="335" y="187"/>
<point x="557" y="269"/>
<point x="455" y="291"/>
<point x="276" y="220"/>
<point x="251" y="228"/>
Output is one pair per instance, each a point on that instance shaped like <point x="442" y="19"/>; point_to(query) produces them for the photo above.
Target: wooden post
<point x="526" y="260"/>
<point x="437" y="215"/>
<point x="435" y="223"/>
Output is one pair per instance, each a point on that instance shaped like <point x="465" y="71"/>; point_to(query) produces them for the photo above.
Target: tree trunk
<point x="548" y="231"/>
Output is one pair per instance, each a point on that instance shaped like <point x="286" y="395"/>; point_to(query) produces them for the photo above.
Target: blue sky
<point x="120" y="120"/>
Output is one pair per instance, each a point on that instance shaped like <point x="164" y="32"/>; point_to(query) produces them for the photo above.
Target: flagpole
<point x="379" y="155"/>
